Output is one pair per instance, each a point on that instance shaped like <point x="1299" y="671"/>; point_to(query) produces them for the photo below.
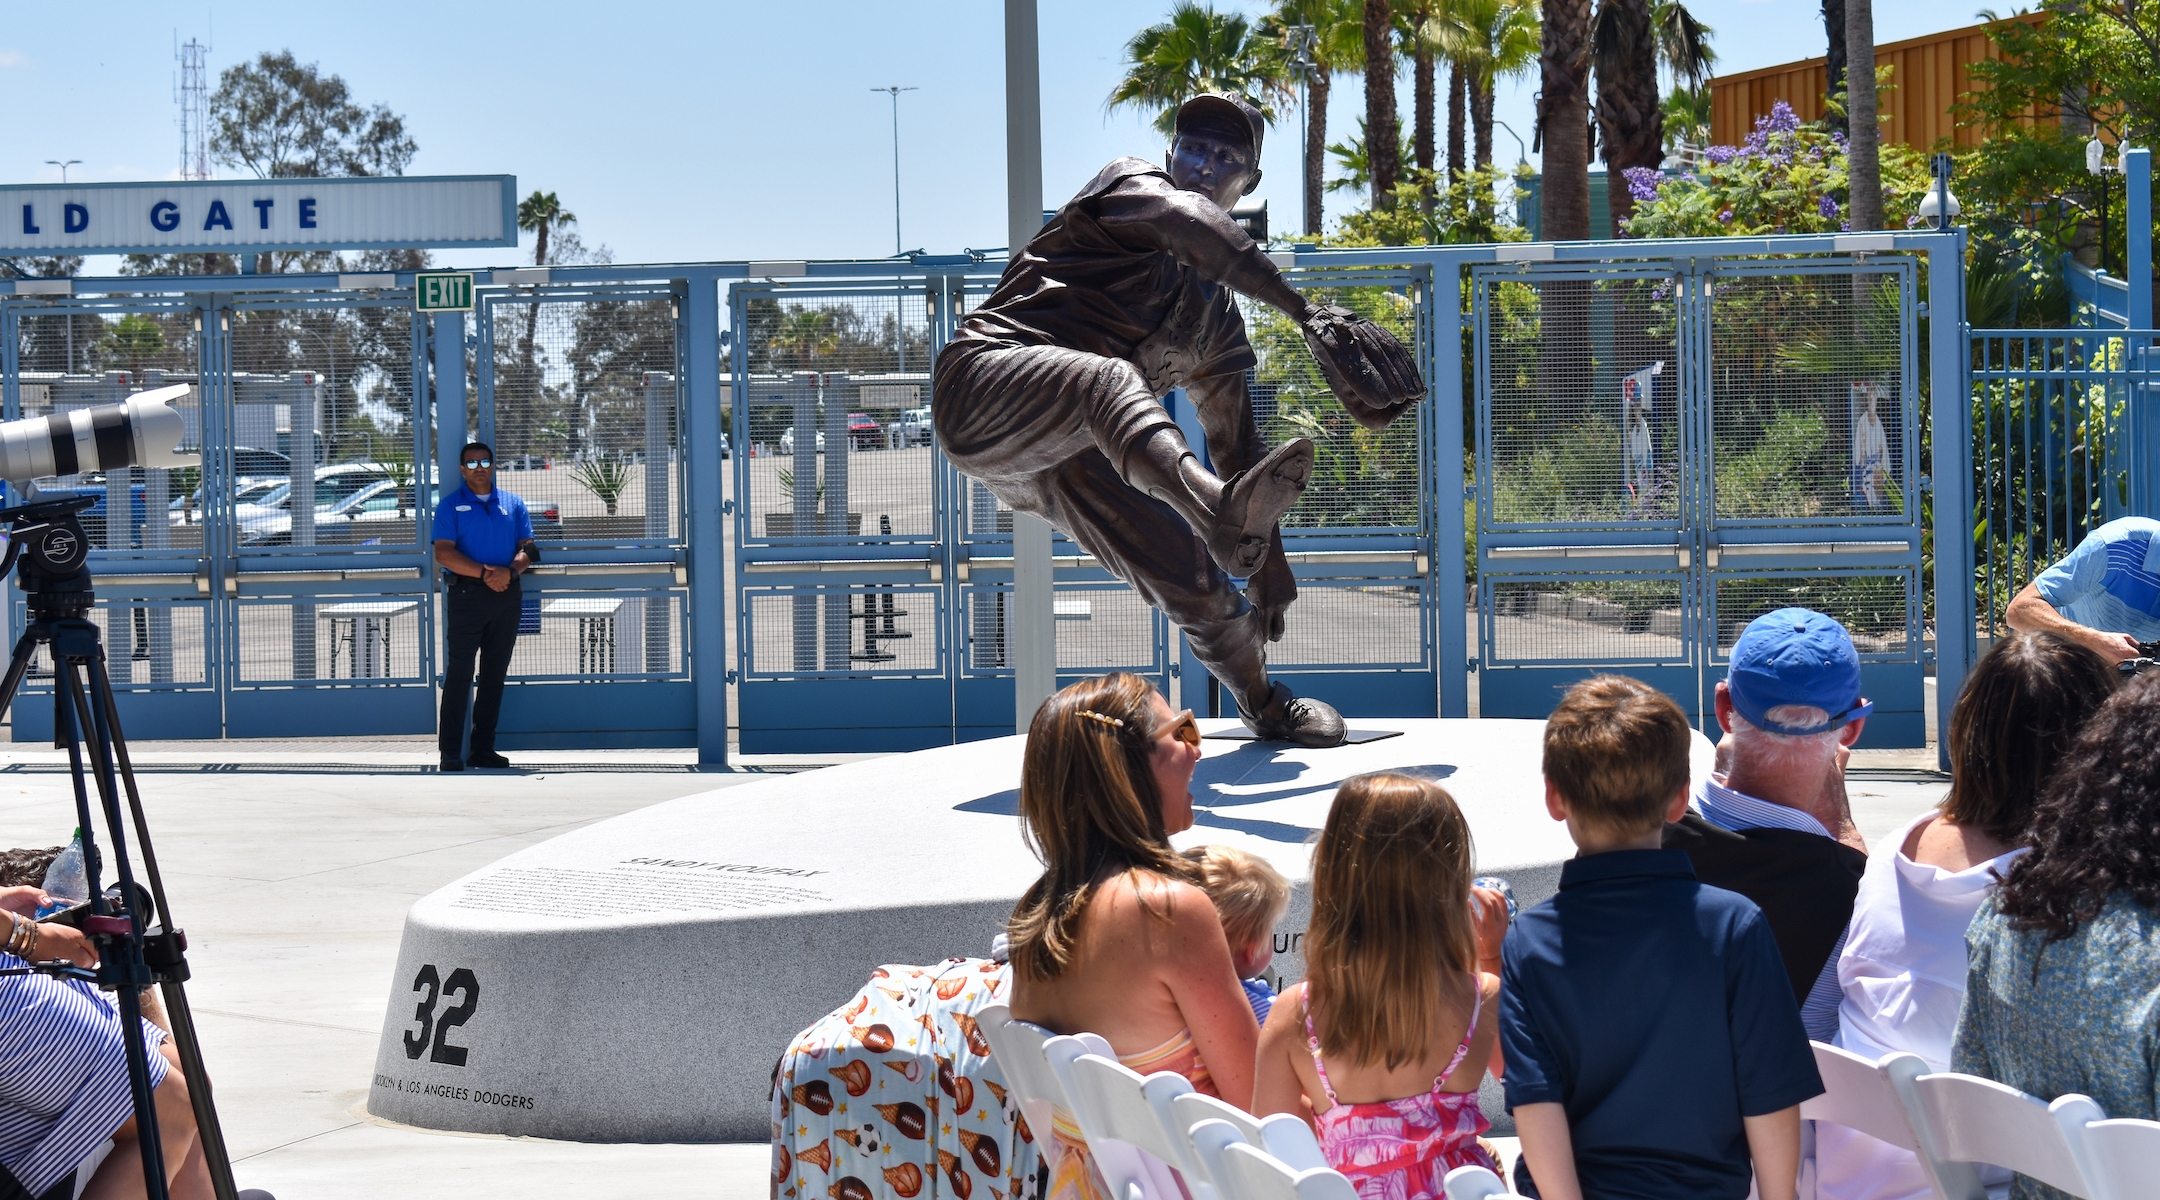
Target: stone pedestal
<point x="636" y="980"/>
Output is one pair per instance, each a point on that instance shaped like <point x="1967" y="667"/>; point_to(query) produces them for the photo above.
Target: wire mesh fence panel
<point x="867" y="629"/>
<point x="1618" y="620"/>
<point x="372" y="639"/>
<point x="602" y="635"/>
<point x="1104" y="627"/>
<point x="1809" y="409"/>
<point x="1360" y="479"/>
<point x="79" y="359"/>
<point x="1582" y="396"/>
<point x="585" y="404"/>
<point x="322" y="427"/>
<point x="149" y="644"/>
<point x="2049" y="441"/>
<point x="1351" y="624"/>
<point x="836" y="416"/>
<point x="1875" y="608"/>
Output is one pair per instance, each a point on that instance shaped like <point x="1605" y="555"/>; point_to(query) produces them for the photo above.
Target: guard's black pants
<point x="480" y="621"/>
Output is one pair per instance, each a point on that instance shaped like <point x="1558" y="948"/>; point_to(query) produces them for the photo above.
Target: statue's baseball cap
<point x="1796" y="656"/>
<point x="1218" y="113"/>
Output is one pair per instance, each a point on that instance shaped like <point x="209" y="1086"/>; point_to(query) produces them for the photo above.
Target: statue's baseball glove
<point x="1373" y="375"/>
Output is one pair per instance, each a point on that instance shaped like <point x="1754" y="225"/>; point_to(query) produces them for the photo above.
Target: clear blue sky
<point x="708" y="131"/>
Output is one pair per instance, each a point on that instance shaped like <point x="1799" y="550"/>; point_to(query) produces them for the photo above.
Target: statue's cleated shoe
<point x="1252" y="501"/>
<point x="1302" y="720"/>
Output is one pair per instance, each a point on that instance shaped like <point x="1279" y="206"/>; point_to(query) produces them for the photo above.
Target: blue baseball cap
<point x="1796" y="656"/>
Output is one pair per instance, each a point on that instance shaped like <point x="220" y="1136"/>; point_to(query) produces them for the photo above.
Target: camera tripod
<point x="51" y="556"/>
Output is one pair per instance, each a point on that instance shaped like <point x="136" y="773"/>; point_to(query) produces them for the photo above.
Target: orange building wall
<point x="1928" y="74"/>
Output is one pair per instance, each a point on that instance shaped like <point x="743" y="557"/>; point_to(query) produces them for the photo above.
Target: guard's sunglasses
<point x="1185" y="729"/>
<point x="479" y="464"/>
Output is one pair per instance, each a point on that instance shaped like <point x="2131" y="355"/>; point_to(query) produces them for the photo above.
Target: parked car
<point x="787" y="441"/>
<point x="863" y="433"/>
<point x="912" y="429"/>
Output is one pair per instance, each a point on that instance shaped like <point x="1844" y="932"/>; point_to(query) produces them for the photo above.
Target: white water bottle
<point x="65" y="880"/>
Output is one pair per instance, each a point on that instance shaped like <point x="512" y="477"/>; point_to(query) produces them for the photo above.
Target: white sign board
<point x="249" y="215"/>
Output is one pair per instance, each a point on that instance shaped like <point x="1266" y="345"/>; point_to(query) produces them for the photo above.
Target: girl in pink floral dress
<point x="1395" y="1025"/>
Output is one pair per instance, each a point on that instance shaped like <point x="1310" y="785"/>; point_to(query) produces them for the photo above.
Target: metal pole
<point x="1032" y="648"/>
<point x="2136" y="164"/>
<point x="894" y="92"/>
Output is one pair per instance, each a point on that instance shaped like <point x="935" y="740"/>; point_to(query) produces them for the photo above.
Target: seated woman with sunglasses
<point x="1105" y="780"/>
<point x="1116" y="938"/>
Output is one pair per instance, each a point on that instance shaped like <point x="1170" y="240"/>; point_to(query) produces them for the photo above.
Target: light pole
<point x="54" y="162"/>
<point x="1301" y="42"/>
<point x="894" y="92"/>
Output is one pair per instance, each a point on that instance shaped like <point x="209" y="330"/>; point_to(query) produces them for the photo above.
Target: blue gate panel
<point x="1531" y="692"/>
<point x="143" y="715"/>
<point x="1363" y="693"/>
<point x="332" y="712"/>
<point x="826" y="716"/>
<point x="596" y="716"/>
<point x="1900" y="717"/>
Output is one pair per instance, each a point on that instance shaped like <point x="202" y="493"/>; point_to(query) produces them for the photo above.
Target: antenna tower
<point x="192" y="93"/>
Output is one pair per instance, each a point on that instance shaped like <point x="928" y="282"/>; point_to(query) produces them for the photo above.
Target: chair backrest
<point x="1290" y="1139"/>
<point x="1211" y="1136"/>
<point x="2121" y="1157"/>
<point x="1474" y="1183"/>
<point x="1857" y="1095"/>
<point x="1970" y="1119"/>
<point x="1877" y="1099"/>
<point x="1132" y="1172"/>
<point x="1016" y="1048"/>
<point x="1113" y="1100"/>
<point x="1253" y="1174"/>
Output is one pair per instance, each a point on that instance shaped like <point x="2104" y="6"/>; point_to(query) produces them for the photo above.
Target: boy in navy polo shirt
<point x="1652" y="1041"/>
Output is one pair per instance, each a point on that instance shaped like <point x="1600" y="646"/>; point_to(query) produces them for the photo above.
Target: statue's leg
<point x="1009" y="412"/>
<point x="1140" y="540"/>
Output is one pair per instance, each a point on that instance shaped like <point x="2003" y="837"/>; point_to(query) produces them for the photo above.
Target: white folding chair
<point x="1114" y="1101"/>
<point x="1283" y="1135"/>
<point x="1474" y="1183"/>
<point x="1969" y="1119"/>
<point x="1876" y="1099"/>
<point x="2121" y="1157"/>
<point x="1017" y="1048"/>
<point x="1250" y="1173"/>
<point x="1130" y="1172"/>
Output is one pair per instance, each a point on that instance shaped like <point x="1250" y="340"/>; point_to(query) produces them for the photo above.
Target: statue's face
<point x="1215" y="167"/>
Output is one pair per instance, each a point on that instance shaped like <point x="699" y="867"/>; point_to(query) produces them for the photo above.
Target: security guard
<point x="483" y="539"/>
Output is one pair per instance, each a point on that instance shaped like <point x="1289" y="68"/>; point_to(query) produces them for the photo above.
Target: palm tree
<point x="538" y="214"/>
<point x="1833" y="19"/>
<point x="1563" y="120"/>
<point x="1336" y="43"/>
<point x="1863" y="166"/>
<point x="1381" y="126"/>
<point x="1683" y="47"/>
<point x="1491" y="40"/>
<point x="1413" y="19"/>
<point x="1197" y="50"/>
<point x="1631" y="129"/>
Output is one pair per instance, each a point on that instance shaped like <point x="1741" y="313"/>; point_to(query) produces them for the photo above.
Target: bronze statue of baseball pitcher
<point x="1050" y="395"/>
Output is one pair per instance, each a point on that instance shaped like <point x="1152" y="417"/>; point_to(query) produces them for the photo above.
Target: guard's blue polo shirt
<point x="486" y="531"/>
<point x="1655" y="1009"/>
<point x="2111" y="582"/>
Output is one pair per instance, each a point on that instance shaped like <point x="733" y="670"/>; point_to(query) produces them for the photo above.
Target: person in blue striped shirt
<point x="2104" y="595"/>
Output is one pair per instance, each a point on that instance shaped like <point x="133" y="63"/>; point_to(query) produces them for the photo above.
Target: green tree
<point x="1563" y="120"/>
<point x="1683" y="48"/>
<point x="280" y="119"/>
<point x="537" y="214"/>
<point x="1384" y="128"/>
<point x="1631" y="129"/>
<point x="1336" y="45"/>
<point x="1864" y="140"/>
<point x="1198" y="50"/>
<point x="1492" y="40"/>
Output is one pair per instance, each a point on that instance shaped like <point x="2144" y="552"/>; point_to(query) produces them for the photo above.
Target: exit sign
<point x="443" y="291"/>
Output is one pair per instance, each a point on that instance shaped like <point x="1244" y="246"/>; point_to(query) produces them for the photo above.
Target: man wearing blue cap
<point x="1776" y="826"/>
<point x="2105" y="595"/>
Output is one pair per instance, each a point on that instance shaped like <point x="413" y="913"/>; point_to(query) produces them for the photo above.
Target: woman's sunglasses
<point x="1185" y="729"/>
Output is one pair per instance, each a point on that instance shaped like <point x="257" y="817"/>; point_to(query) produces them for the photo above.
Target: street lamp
<point x="894" y="92"/>
<point x="54" y="162"/>
<point x="1522" y="156"/>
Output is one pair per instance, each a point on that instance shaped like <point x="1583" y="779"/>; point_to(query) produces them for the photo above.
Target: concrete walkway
<point x="291" y="865"/>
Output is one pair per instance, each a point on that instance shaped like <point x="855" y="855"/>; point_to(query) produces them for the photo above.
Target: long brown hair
<point x="2097" y="829"/>
<point x="1088" y="808"/>
<point x="1391" y="916"/>
<point x="2015" y="718"/>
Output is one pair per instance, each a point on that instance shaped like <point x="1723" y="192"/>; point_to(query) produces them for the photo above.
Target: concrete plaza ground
<point x="291" y="865"/>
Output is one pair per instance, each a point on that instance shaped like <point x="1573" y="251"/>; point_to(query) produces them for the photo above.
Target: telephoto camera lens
<point x="142" y="431"/>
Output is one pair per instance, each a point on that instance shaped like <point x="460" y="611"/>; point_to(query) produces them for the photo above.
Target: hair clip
<point x="1092" y="715"/>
